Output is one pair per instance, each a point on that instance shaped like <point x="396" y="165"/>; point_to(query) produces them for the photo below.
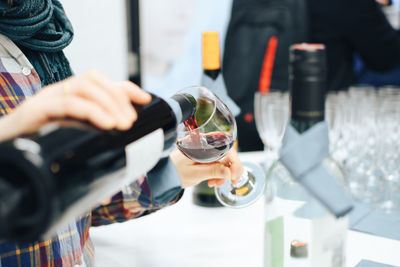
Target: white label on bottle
<point x="143" y="154"/>
<point x="328" y="241"/>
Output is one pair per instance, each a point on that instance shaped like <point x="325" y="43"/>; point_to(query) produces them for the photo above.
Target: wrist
<point x="10" y="127"/>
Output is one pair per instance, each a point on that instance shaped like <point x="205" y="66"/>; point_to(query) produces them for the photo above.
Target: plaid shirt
<point x="71" y="246"/>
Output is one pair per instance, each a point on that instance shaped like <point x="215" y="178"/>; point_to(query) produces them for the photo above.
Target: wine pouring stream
<point x="208" y="136"/>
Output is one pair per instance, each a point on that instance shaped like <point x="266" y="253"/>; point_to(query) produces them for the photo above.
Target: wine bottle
<point x="212" y="77"/>
<point x="202" y="194"/>
<point x="321" y="230"/>
<point x="66" y="169"/>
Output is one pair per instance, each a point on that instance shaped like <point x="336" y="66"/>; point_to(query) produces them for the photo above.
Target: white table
<point x="185" y="235"/>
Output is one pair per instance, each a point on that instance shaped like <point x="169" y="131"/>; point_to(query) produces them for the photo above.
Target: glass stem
<point x="244" y="178"/>
<point x="271" y="155"/>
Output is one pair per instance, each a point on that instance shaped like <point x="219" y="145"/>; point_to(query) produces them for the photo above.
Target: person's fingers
<point x="232" y="160"/>
<point x="219" y="182"/>
<point x="111" y="88"/>
<point x="90" y="96"/>
<point x="234" y="181"/>
<point x="85" y="110"/>
<point x="237" y="170"/>
<point x="79" y="108"/>
<point x="211" y="171"/>
<point x="213" y="182"/>
<point x="135" y="94"/>
<point x="192" y="173"/>
<point x="106" y="201"/>
<point x="216" y="182"/>
<point x="100" y="97"/>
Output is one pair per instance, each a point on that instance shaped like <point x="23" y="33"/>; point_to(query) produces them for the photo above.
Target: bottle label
<point x="143" y="154"/>
<point x="328" y="241"/>
<point x="325" y="239"/>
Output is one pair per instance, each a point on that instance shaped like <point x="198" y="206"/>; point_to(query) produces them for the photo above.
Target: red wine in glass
<point x="208" y="147"/>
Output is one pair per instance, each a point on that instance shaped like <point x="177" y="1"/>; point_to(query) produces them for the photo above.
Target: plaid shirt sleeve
<point x="134" y="201"/>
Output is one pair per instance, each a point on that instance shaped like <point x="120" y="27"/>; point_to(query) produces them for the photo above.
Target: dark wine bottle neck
<point x="308" y="104"/>
<point x="213" y="74"/>
<point x="307" y="80"/>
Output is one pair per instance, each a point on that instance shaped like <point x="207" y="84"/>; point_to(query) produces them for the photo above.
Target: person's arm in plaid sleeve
<point x="163" y="186"/>
<point x="160" y="188"/>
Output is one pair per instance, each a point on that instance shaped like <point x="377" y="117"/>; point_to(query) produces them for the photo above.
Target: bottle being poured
<point x="64" y="170"/>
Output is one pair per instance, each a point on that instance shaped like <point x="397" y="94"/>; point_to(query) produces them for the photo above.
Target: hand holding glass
<point x="208" y="136"/>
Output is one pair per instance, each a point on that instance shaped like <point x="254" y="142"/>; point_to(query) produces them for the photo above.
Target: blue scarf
<point x="42" y="30"/>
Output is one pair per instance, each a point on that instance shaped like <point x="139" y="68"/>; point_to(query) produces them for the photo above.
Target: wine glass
<point x="271" y="112"/>
<point x="208" y="136"/>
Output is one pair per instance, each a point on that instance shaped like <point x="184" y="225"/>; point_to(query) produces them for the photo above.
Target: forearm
<point x="9" y="128"/>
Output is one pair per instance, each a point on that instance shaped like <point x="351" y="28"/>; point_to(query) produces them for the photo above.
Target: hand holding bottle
<point x="217" y="173"/>
<point x="90" y="96"/>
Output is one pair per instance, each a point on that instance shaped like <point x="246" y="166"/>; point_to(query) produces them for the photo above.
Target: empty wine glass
<point x="208" y="136"/>
<point x="271" y="111"/>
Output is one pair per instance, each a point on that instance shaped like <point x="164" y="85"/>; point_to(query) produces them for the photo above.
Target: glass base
<point x="247" y="191"/>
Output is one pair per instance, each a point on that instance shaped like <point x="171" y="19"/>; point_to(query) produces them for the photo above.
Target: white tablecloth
<point x="185" y="235"/>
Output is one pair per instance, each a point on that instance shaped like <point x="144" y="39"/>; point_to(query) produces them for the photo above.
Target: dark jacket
<point x="344" y="26"/>
<point x="349" y="26"/>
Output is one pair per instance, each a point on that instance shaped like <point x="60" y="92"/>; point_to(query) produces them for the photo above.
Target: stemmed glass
<point x="208" y="136"/>
<point x="271" y="112"/>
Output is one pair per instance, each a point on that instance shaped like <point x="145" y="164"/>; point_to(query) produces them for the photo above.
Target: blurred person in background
<point x="348" y="27"/>
<point x="37" y="86"/>
<point x="181" y="56"/>
<point x="384" y="2"/>
<point x="364" y="74"/>
<point x="163" y="39"/>
<point x="345" y="27"/>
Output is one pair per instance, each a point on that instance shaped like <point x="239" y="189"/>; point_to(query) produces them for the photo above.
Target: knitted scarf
<point x="41" y="29"/>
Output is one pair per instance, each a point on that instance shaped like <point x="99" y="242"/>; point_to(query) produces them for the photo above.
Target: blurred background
<point x="171" y="39"/>
<point x="98" y="43"/>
